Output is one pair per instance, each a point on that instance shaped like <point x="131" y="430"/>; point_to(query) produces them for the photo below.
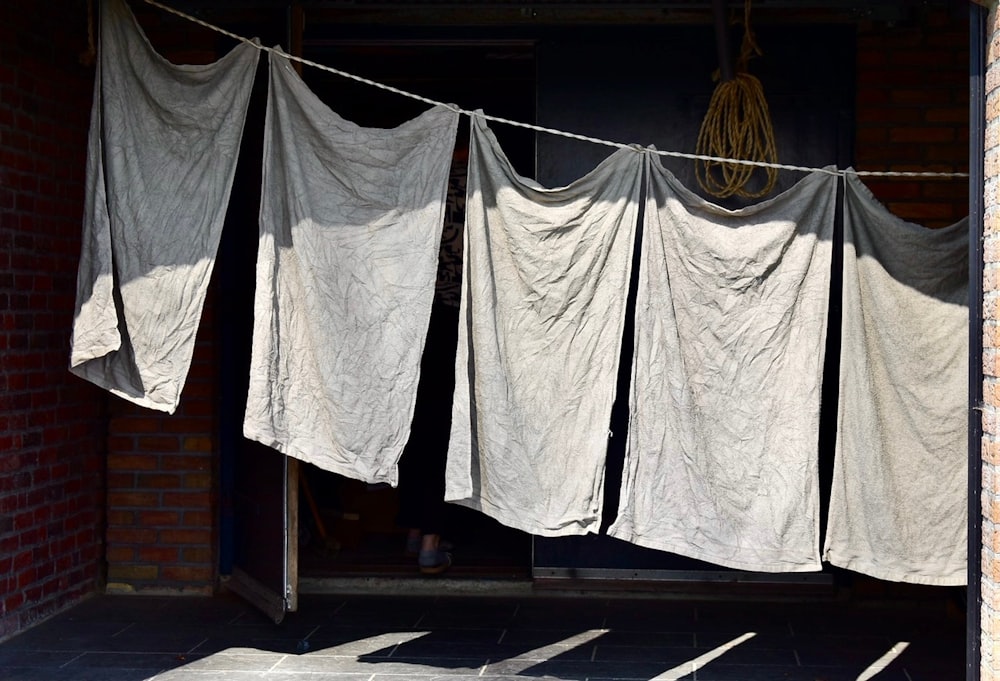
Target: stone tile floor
<point x="490" y="638"/>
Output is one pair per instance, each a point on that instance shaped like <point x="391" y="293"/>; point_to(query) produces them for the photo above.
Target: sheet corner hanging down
<point x="148" y="249"/>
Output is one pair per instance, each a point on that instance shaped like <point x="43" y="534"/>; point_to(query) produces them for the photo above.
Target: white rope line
<point x="539" y="128"/>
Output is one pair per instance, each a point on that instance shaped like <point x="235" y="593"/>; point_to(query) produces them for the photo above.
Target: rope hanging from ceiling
<point x="737" y="126"/>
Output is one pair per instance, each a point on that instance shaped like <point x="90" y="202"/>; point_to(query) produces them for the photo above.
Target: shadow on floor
<point x="460" y="638"/>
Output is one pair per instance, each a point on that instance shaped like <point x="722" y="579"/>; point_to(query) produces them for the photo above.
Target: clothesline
<point x="538" y="128"/>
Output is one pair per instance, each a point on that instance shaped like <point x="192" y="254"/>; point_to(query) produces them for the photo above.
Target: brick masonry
<point x="162" y="529"/>
<point x="162" y="497"/>
<point x="990" y="584"/>
<point x="52" y="425"/>
<point x="913" y="114"/>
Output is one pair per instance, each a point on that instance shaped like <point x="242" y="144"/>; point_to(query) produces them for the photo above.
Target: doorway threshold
<point x="414" y="586"/>
<point x="547" y="588"/>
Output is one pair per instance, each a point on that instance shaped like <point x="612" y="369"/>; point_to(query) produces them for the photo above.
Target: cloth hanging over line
<point x="350" y="226"/>
<point x="731" y="315"/>
<point x="899" y="501"/>
<point x="544" y="288"/>
<point x="161" y="155"/>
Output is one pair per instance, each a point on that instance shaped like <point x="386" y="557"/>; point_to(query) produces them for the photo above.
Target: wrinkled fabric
<point x="731" y="315"/>
<point x="350" y="227"/>
<point x="545" y="282"/>
<point x="899" y="501"/>
<point x="162" y="151"/>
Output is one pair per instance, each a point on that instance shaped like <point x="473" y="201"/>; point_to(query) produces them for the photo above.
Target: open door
<point x="265" y="551"/>
<point x="258" y="524"/>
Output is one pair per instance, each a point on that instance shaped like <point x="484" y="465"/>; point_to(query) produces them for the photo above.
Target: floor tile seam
<point x="145" y="653"/>
<point x="123" y="629"/>
<point x="191" y="651"/>
<point x="71" y="660"/>
<point x="277" y="662"/>
<point x="149" y="653"/>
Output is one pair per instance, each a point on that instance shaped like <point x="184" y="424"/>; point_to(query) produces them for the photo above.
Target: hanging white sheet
<point x="161" y="155"/>
<point x="350" y="227"/>
<point x="731" y="316"/>
<point x="899" y="503"/>
<point x="543" y="304"/>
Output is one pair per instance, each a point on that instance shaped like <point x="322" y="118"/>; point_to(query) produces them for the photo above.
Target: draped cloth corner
<point x="350" y="227"/>
<point x="731" y="317"/>
<point x="543" y="306"/>
<point x="899" y="500"/>
<point x="161" y="156"/>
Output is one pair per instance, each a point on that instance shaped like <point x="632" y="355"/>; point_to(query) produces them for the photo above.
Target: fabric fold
<point x="162" y="150"/>
<point x="731" y="315"/>
<point x="350" y="227"/>
<point x="899" y="501"/>
<point x="545" y="282"/>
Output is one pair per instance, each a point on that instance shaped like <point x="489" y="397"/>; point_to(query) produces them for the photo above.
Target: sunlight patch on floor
<point x="881" y="663"/>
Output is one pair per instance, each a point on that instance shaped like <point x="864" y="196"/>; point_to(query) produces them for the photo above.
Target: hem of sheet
<point x="322" y="461"/>
<point x="570" y="528"/>
<point x="79" y="358"/>
<point x="894" y="575"/>
<point x="89" y="371"/>
<point x="684" y="549"/>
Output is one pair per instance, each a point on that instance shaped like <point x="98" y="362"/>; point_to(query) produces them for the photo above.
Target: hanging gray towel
<point x="350" y="227"/>
<point x="730" y="321"/>
<point x="543" y="304"/>
<point x="161" y="154"/>
<point x="899" y="503"/>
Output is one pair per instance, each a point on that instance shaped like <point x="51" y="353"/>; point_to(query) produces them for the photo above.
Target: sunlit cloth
<point x="543" y="304"/>
<point x="731" y="317"/>
<point x="899" y="504"/>
<point x="350" y="227"/>
<point x="161" y="155"/>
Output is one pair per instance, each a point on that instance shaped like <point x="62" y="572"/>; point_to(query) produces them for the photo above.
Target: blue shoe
<point x="434" y="562"/>
<point x="413" y="546"/>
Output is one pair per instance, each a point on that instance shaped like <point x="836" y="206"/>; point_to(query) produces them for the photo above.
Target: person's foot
<point x="434" y="561"/>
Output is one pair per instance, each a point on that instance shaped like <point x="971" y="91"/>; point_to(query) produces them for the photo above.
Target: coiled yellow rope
<point x="737" y="125"/>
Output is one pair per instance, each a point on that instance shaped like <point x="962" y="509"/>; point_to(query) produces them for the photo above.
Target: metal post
<point x="977" y="143"/>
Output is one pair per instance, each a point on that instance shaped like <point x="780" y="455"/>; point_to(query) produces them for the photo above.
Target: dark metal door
<point x="265" y="505"/>
<point x="258" y="535"/>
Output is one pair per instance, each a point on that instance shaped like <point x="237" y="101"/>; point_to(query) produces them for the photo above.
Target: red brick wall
<point x="51" y="424"/>
<point x="990" y="583"/>
<point x="913" y="113"/>
<point x="161" y="469"/>
<point x="162" y="530"/>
